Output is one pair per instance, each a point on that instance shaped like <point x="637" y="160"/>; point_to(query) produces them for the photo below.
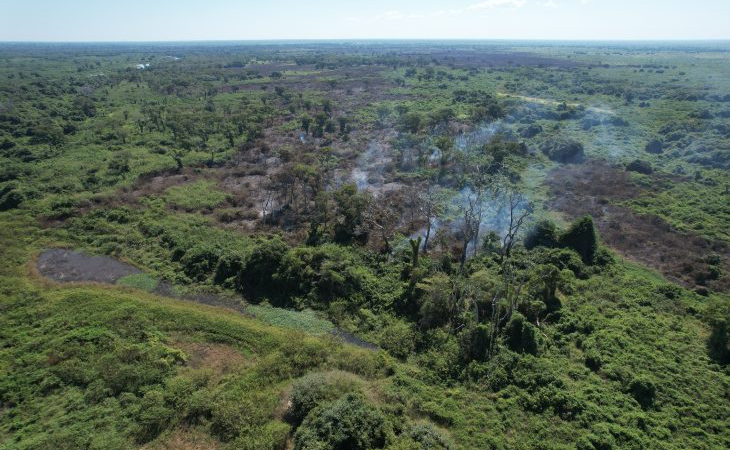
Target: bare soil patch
<point x="67" y="265"/>
<point x="595" y="188"/>
<point x="218" y="357"/>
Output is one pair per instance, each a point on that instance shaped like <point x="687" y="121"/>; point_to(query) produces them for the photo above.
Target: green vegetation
<point x="690" y="205"/>
<point x="139" y="281"/>
<point x="193" y="196"/>
<point x="306" y="320"/>
<point x="383" y="249"/>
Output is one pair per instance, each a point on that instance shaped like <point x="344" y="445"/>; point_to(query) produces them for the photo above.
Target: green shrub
<point x="307" y="393"/>
<point x="256" y="277"/>
<point x="563" y="258"/>
<point x="718" y="343"/>
<point x="398" y="338"/>
<point x="567" y="152"/>
<point x="593" y="360"/>
<point x="544" y="233"/>
<point x="411" y="122"/>
<point x="521" y="335"/>
<point x="643" y="390"/>
<point x="10" y="197"/>
<point x="188" y="395"/>
<point x="64" y="207"/>
<point x="350" y="205"/>
<point x="603" y="257"/>
<point x="581" y="237"/>
<point x="228" y="268"/>
<point x="320" y="275"/>
<point x="349" y="423"/>
<point x="132" y="368"/>
<point x="475" y="342"/>
<point x="640" y="166"/>
<point x="154" y="415"/>
<point x="439" y="301"/>
<point x="315" y="389"/>
<point x="200" y="261"/>
<point x="422" y="436"/>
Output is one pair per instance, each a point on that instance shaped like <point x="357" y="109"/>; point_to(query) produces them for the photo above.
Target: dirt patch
<point x="595" y="188"/>
<point x="219" y="358"/>
<point x="184" y="439"/>
<point x="68" y="265"/>
<point x="151" y="184"/>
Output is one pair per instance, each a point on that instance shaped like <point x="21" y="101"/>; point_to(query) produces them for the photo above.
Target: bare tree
<point x="430" y="205"/>
<point x="267" y="200"/>
<point x="519" y="209"/>
<point x="469" y="211"/>
<point x="381" y="215"/>
<point x="478" y="218"/>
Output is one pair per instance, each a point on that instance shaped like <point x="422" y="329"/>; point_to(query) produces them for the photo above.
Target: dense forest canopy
<point x="365" y="245"/>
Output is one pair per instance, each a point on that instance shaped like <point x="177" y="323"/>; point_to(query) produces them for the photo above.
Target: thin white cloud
<point x="489" y="4"/>
<point x="549" y="4"/>
<point x="391" y="15"/>
<point x="395" y="15"/>
<point x="446" y="12"/>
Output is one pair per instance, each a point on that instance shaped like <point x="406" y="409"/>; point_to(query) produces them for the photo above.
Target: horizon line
<point x="282" y="40"/>
<point x="375" y="39"/>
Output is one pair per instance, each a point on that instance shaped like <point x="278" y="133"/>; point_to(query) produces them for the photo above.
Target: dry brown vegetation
<point x="218" y="358"/>
<point x="597" y="188"/>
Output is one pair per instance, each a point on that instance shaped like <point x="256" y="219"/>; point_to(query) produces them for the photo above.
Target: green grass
<point x="690" y="206"/>
<point x="306" y="320"/>
<point x="195" y="196"/>
<point x="141" y="281"/>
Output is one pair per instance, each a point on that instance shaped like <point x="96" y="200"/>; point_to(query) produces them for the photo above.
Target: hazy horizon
<point x="369" y="40"/>
<point x="286" y="20"/>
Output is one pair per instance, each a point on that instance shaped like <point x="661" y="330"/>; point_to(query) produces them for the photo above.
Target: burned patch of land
<point x="67" y="265"/>
<point x="71" y="266"/>
<point x="597" y="188"/>
<point x="480" y="58"/>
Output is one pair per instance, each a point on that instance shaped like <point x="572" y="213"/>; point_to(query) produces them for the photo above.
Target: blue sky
<point x="155" y="20"/>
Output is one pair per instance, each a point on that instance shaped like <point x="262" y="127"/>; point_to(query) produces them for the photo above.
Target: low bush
<point x="316" y="389"/>
<point x="581" y="237"/>
<point x="543" y="234"/>
<point x="521" y="335"/>
<point x="348" y="423"/>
